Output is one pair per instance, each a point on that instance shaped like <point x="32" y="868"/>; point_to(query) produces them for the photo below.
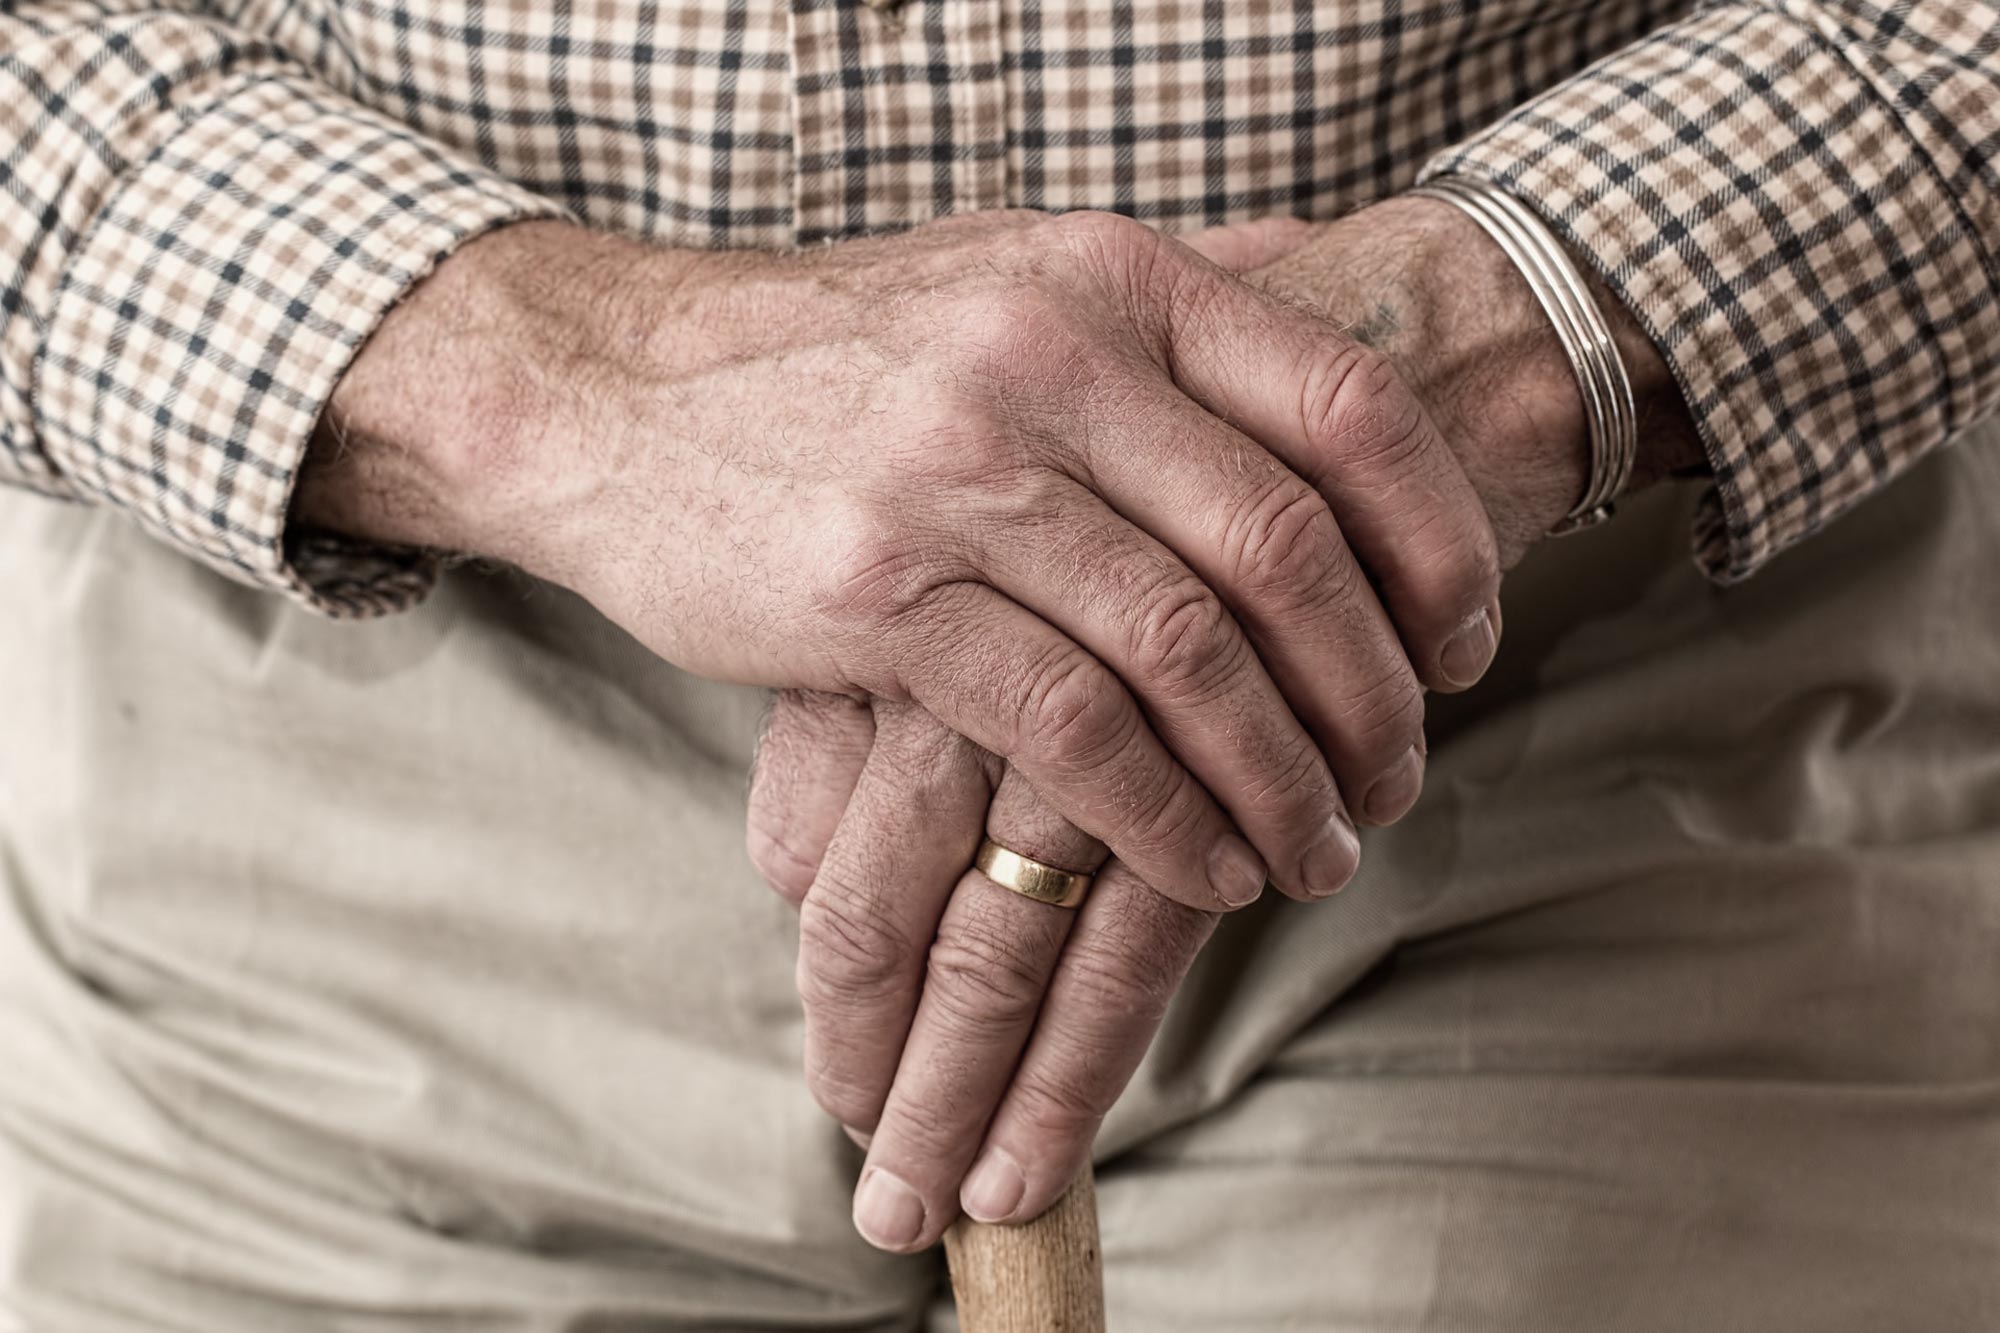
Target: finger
<point x="1269" y="545"/>
<point x="809" y="758"/>
<point x="1133" y="604"/>
<point x="994" y="952"/>
<point x="1002" y="676"/>
<point x="866" y="924"/>
<point x="1341" y="415"/>
<point x="1242" y="246"/>
<point x="1125" y="957"/>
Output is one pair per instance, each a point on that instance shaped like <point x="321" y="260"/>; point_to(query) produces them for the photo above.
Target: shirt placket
<point x="899" y="113"/>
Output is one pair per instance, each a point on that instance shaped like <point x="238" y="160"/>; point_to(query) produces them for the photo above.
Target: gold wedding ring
<point x="1030" y="878"/>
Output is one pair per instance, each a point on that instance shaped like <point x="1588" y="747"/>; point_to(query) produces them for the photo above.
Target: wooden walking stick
<point x="1044" y="1276"/>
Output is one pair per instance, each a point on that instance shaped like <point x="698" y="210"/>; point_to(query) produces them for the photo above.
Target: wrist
<point x="1491" y="367"/>
<point x="1547" y="372"/>
<point x="474" y="419"/>
<point x="1436" y="293"/>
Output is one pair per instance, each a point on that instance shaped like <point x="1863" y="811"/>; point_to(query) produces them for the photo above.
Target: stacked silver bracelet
<point x="1600" y="371"/>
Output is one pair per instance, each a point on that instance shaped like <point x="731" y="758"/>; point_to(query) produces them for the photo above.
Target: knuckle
<point x="1478" y="574"/>
<point x="929" y="1125"/>
<point x="1060" y="1101"/>
<point x="1029" y="501"/>
<point x="847" y="954"/>
<point x="832" y="1079"/>
<point x="1295" y="780"/>
<point x="1103" y="236"/>
<point x="784" y="868"/>
<point x="1182" y="639"/>
<point x="1136" y="260"/>
<point x="875" y="571"/>
<point x="984" y="444"/>
<point x="1359" y="409"/>
<point x="1345" y="584"/>
<point x="1285" y="542"/>
<point x="804" y="729"/>
<point x="1125" y="985"/>
<point x="927" y="763"/>
<point x="1074" y="711"/>
<point x="984" y="982"/>
<point x="1386" y="714"/>
<point x="1151" y="925"/>
<point x="1191" y="293"/>
<point x="1457" y="573"/>
<point x="1170" y="816"/>
<point x="1008" y="335"/>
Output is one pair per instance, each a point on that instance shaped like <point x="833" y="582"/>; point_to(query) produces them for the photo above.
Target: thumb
<point x="1242" y="246"/>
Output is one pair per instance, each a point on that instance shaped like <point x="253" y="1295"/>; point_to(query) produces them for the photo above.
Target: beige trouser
<point x="411" y="974"/>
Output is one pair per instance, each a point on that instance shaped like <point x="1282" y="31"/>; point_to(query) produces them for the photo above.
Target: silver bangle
<point x="1606" y="388"/>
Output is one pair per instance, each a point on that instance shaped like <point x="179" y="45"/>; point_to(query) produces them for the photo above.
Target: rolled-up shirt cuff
<point x="215" y="299"/>
<point x="1755" y="195"/>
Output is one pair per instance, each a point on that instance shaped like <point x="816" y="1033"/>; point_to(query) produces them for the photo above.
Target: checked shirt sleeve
<point x="195" y="239"/>
<point x="1800" y="201"/>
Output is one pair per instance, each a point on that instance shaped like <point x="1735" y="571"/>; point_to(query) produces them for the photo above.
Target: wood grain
<point x="1044" y="1276"/>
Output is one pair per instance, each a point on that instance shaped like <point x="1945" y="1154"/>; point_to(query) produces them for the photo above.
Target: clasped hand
<point x="1059" y="530"/>
<point x="1276" y="554"/>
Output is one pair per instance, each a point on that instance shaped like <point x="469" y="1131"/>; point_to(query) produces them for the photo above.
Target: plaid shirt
<point x="209" y="204"/>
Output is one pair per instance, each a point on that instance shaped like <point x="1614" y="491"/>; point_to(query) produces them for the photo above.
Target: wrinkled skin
<point x="1053" y="516"/>
<point x="958" y="1021"/>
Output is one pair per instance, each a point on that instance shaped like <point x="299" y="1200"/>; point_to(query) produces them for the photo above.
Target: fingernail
<point x="1396" y="791"/>
<point x="1234" y="871"/>
<point x="994" y="1189"/>
<point x="860" y="1136"/>
<point x="1470" y="651"/>
<point x="887" y="1212"/>
<point x="1332" y="861"/>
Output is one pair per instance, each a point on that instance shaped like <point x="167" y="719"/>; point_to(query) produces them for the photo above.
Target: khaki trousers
<point x="411" y="975"/>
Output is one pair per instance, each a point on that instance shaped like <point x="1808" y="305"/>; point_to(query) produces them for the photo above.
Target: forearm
<point x="491" y="403"/>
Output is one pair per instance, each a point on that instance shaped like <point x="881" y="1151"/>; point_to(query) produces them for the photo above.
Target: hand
<point x="1011" y="1040"/>
<point x="1043" y="477"/>
<point x="941" y="1009"/>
